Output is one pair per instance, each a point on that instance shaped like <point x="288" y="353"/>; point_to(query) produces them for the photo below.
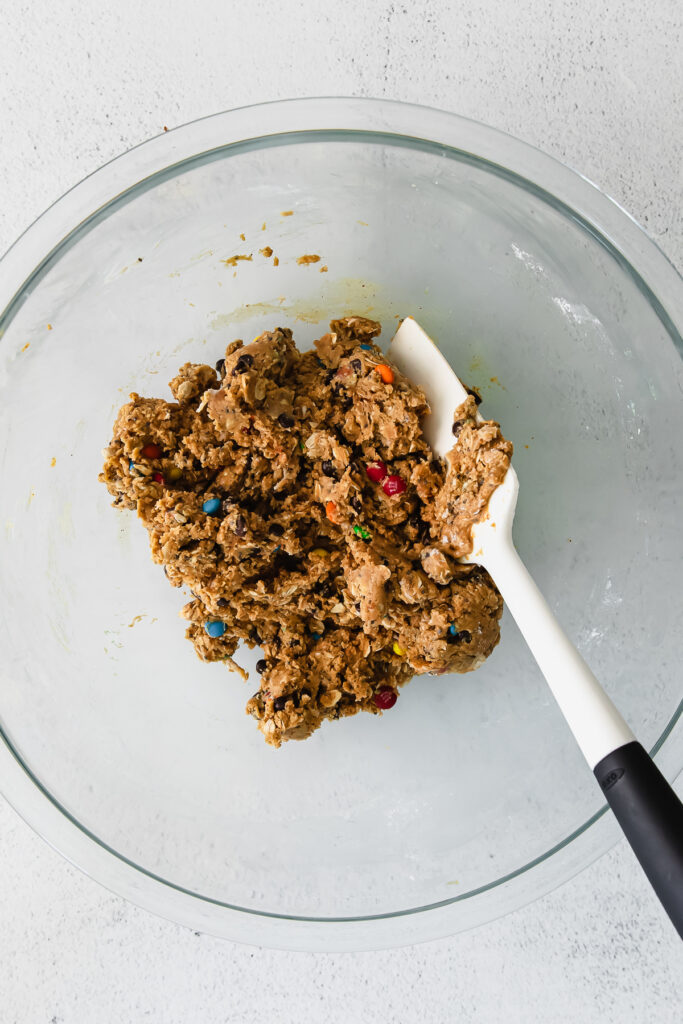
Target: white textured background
<point x="596" y="83"/>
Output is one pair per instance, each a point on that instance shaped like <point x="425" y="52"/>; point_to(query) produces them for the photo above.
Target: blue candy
<point x="131" y="465"/>
<point x="316" y="636"/>
<point x="453" y="630"/>
<point x="212" y="507"/>
<point x="367" y="348"/>
<point x="215" y="629"/>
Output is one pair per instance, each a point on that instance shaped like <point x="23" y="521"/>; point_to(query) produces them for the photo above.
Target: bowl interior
<point x="467" y="779"/>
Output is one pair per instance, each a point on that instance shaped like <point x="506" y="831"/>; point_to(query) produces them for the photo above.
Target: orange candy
<point x="331" y="511"/>
<point x="385" y="372"/>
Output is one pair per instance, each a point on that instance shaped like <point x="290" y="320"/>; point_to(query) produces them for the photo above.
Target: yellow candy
<point x="397" y="649"/>
<point x="174" y="473"/>
<point x="320" y="552"/>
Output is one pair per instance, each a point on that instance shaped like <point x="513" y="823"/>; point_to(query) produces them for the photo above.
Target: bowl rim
<point x="214" y="137"/>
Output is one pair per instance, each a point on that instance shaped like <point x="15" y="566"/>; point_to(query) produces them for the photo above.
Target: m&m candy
<point x="214" y="628"/>
<point x="212" y="506"/>
<point x="376" y="470"/>
<point x="385" y="698"/>
<point x="394" y="485"/>
<point x="385" y="372"/>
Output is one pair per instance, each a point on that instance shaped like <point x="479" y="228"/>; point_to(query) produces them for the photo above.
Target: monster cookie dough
<point x="295" y="496"/>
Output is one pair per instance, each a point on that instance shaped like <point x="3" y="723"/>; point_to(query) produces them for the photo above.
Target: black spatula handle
<point x="651" y="816"/>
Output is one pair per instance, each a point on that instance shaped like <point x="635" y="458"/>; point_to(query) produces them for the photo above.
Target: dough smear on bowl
<point x="294" y="495"/>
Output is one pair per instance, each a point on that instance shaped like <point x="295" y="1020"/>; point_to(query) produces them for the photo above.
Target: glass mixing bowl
<point x="470" y="797"/>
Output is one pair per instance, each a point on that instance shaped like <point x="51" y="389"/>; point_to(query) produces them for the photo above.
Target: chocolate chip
<point x="279" y="703"/>
<point x="457" y="427"/>
<point x="243" y="364"/>
<point x="220" y="367"/>
<point x="463" y="637"/>
<point x="285" y="421"/>
<point x="222" y="603"/>
<point x="356" y="503"/>
<point x="276" y="529"/>
<point x="327" y="468"/>
<point x="475" y="395"/>
<point x="240" y="526"/>
<point x="357" y="365"/>
<point x="261" y="666"/>
<point x="417" y="522"/>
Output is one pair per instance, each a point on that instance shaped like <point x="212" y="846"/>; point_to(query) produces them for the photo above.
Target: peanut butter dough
<point x="294" y="495"/>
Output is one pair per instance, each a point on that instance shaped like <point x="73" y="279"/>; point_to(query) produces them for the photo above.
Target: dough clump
<point x="294" y="495"/>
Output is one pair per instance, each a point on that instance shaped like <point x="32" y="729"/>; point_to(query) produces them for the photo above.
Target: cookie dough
<point x="294" y="495"/>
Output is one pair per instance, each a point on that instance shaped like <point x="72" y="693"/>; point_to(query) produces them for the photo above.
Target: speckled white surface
<point x="594" y="84"/>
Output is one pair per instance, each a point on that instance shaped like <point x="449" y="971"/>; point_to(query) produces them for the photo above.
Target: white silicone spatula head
<point x="416" y="355"/>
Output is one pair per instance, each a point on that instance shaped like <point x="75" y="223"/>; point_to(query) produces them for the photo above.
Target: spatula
<point x="645" y="805"/>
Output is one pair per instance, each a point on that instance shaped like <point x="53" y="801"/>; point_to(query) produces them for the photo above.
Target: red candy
<point x="385" y="698"/>
<point x="158" y="477"/>
<point x="394" y="485"/>
<point x="151" y="451"/>
<point x="376" y="471"/>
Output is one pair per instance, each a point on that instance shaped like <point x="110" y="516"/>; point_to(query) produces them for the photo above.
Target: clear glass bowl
<point x="469" y="798"/>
